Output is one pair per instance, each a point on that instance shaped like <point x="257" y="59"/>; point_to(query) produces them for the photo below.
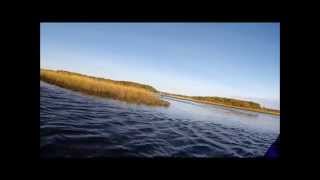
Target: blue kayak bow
<point x="274" y="151"/>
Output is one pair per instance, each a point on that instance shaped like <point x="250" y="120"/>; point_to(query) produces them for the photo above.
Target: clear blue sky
<point x="239" y="60"/>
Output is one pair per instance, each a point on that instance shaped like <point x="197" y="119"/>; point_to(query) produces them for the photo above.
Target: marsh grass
<point x="128" y="92"/>
<point x="227" y="102"/>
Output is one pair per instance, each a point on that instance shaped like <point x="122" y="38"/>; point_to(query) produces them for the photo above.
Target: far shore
<point x="224" y="105"/>
<point x="138" y="93"/>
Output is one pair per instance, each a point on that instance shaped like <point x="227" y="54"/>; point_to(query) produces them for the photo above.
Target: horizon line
<point x="230" y="97"/>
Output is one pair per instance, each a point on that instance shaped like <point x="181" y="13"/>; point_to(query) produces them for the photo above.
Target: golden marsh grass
<point x="103" y="88"/>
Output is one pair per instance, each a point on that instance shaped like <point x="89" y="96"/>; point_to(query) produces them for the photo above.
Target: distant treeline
<point x="271" y="110"/>
<point x="127" y="83"/>
<point x="229" y="102"/>
<point x="129" y="91"/>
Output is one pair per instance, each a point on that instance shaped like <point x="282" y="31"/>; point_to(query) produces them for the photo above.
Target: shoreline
<point x="228" y="106"/>
<point x="132" y="92"/>
<point x="125" y="91"/>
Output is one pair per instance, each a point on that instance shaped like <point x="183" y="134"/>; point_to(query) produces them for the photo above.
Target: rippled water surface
<point x="81" y="126"/>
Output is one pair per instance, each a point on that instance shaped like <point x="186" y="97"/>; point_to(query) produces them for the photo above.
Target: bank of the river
<point x="229" y="106"/>
<point x="120" y="90"/>
<point x="137" y="93"/>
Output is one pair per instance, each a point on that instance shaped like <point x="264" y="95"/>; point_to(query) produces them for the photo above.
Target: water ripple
<point x="76" y="125"/>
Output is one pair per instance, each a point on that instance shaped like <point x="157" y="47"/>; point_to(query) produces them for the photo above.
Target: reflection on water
<point x="81" y="126"/>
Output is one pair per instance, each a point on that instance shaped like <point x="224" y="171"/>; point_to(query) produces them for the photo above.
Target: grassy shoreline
<point x="132" y="92"/>
<point x="261" y="110"/>
<point x="129" y="92"/>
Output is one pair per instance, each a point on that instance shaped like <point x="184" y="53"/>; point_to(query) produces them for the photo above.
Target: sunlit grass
<point x="104" y="88"/>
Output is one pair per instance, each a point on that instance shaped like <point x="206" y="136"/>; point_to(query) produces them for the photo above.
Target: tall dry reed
<point x="109" y="89"/>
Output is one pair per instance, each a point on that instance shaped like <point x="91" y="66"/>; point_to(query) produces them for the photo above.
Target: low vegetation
<point x="274" y="111"/>
<point x="130" y="92"/>
<point x="228" y="102"/>
<point x="137" y="93"/>
<point x="126" y="83"/>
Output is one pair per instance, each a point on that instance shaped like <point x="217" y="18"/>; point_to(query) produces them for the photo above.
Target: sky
<point x="237" y="60"/>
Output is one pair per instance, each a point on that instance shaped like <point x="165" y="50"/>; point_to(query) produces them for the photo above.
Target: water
<point x="74" y="125"/>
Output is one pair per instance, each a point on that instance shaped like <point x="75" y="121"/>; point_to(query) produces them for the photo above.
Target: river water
<point x="74" y="125"/>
